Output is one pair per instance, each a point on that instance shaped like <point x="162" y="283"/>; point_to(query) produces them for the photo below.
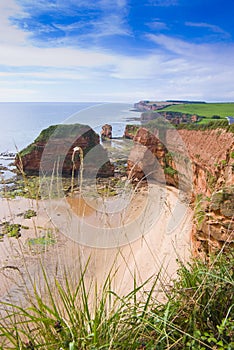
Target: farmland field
<point x="203" y="109"/>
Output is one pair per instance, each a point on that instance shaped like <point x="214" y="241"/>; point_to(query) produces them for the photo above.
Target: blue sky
<point x="123" y="50"/>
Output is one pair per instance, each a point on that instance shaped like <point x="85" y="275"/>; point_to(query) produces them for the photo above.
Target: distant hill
<point x="185" y="101"/>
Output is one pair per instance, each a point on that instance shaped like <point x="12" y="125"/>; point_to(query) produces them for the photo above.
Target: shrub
<point x="170" y="171"/>
<point x="29" y="214"/>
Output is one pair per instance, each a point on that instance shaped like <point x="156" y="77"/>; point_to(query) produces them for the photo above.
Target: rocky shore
<point x="199" y="163"/>
<point x="40" y="238"/>
<point x="193" y="167"/>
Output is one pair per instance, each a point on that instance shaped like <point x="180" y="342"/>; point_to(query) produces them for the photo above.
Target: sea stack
<point x="106" y="133"/>
<point x="52" y="151"/>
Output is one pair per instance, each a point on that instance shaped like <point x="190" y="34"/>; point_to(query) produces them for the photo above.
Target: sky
<point x="116" y="51"/>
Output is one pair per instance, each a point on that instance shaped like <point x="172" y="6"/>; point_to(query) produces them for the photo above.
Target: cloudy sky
<point x="116" y="50"/>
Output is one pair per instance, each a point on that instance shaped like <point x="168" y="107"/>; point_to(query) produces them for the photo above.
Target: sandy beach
<point x="142" y="257"/>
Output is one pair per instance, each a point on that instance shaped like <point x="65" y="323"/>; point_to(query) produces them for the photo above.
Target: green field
<point x="203" y="109"/>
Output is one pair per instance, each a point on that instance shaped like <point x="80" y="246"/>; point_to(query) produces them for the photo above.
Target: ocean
<point x="21" y="123"/>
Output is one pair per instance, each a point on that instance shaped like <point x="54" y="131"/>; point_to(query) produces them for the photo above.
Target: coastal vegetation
<point x="22" y="186"/>
<point x="205" y="124"/>
<point x="11" y="230"/>
<point x="197" y="315"/>
<point x="209" y="124"/>
<point x="61" y="131"/>
<point x="160" y="124"/>
<point x="207" y="110"/>
<point x="42" y="241"/>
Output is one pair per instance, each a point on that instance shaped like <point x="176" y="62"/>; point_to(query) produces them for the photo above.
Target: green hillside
<point x="204" y="109"/>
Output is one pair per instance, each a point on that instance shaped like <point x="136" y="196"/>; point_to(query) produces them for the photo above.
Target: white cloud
<point x="10" y="34"/>
<point x="191" y="70"/>
<point x="173" y="69"/>
<point x="20" y="56"/>
<point x="112" y="4"/>
<point x="97" y="19"/>
<point x="212" y="27"/>
<point x="178" y="46"/>
<point x="109" y="26"/>
<point x="158" y="25"/>
<point x="163" y="3"/>
<point x="12" y="94"/>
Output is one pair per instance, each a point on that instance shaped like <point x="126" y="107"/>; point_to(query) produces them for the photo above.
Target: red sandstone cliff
<point x="52" y="152"/>
<point x="209" y="155"/>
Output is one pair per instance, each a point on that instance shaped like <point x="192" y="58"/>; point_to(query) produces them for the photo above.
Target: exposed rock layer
<point x="202" y="159"/>
<point x="106" y="133"/>
<point x="52" y="152"/>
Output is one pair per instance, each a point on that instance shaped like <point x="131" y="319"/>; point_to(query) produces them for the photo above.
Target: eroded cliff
<point x="52" y="152"/>
<point x="203" y="159"/>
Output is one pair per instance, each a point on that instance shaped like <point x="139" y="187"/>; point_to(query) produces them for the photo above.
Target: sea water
<point x="21" y="123"/>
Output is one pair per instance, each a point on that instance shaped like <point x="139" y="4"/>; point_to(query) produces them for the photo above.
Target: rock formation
<point x="130" y="131"/>
<point x="106" y="133"/>
<point x="210" y="154"/>
<point x="149" y="159"/>
<point x="52" y="152"/>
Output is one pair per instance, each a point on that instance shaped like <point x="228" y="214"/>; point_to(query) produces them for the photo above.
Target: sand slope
<point x="153" y="252"/>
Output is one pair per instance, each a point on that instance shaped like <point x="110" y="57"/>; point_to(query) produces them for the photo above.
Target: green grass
<point x="61" y="131"/>
<point x="41" y="243"/>
<point x="198" y="314"/>
<point x="170" y="171"/>
<point x="199" y="209"/>
<point x="30" y="213"/>
<point x="204" y="109"/>
<point x="208" y="125"/>
<point x="11" y="230"/>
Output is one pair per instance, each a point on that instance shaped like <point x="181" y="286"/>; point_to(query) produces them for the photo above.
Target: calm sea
<point x="21" y="123"/>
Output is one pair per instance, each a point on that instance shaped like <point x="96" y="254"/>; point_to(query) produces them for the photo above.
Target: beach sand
<point x="142" y="257"/>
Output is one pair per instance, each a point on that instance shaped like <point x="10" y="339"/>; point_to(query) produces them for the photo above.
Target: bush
<point x="30" y="213"/>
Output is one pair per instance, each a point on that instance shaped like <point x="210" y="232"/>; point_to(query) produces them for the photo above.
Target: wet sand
<point x="140" y="257"/>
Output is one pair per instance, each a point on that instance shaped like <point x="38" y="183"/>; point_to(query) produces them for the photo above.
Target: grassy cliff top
<point x="162" y="125"/>
<point x="61" y="131"/>
<point x="203" y="109"/>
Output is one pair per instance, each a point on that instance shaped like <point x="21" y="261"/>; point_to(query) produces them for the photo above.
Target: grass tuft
<point x="198" y="315"/>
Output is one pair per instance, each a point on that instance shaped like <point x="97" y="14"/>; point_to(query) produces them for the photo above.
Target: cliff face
<point x="210" y="156"/>
<point x="149" y="157"/>
<point x="52" y="151"/>
<point x="214" y="224"/>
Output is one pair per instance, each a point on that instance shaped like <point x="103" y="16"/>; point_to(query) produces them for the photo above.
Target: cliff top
<point x="61" y="131"/>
